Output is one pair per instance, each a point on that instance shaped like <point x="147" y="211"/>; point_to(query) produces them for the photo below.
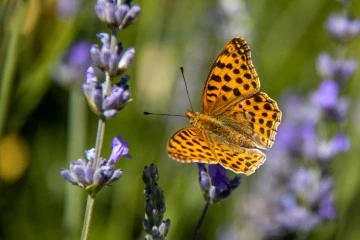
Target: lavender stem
<point x="201" y="220"/>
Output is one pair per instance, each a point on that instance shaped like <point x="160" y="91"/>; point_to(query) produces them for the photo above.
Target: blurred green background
<point x="285" y="37"/>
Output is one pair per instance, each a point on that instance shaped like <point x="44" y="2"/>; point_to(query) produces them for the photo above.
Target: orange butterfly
<point x="237" y="120"/>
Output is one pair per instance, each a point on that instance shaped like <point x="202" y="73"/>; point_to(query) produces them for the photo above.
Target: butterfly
<point x="238" y="120"/>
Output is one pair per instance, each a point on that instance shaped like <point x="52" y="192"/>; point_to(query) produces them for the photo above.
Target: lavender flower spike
<point x="153" y="223"/>
<point x="115" y="14"/>
<point x="83" y="174"/>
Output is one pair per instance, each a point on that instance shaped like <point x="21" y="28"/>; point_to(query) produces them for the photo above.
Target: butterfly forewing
<point x="232" y="78"/>
<point x="190" y="144"/>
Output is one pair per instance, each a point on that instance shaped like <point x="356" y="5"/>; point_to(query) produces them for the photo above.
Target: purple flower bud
<point x="130" y="16"/>
<point x="105" y="39"/>
<point x="105" y="57"/>
<point x="203" y="178"/>
<point x="126" y="59"/>
<point x="327" y="95"/>
<point x="343" y="28"/>
<point x="121" y="12"/>
<point x="110" y="13"/>
<point x="79" y="171"/>
<point x="90" y="154"/>
<point x="67" y="175"/>
<point x="90" y="76"/>
<point x="116" y="176"/>
<point x="164" y="227"/>
<point x="120" y="148"/>
<point x="108" y="114"/>
<point x="93" y="95"/>
<point x="117" y="99"/>
<point x="96" y="55"/>
<point x="113" y="62"/>
<point x="100" y="10"/>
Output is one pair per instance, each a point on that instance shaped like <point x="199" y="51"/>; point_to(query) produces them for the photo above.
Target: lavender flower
<point x="153" y="223"/>
<point x="115" y="63"/>
<point x="83" y="174"/>
<point x="343" y="28"/>
<point x="306" y="202"/>
<point x="221" y="186"/>
<point x="115" y="14"/>
<point x="109" y="106"/>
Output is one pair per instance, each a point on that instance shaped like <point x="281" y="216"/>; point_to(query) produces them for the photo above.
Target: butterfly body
<point x="221" y="130"/>
<point x="237" y="119"/>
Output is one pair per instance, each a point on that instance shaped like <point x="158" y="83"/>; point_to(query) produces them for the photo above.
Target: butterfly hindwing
<point x="259" y="116"/>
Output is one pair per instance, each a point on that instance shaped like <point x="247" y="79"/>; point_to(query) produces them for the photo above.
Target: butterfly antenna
<point x="187" y="91"/>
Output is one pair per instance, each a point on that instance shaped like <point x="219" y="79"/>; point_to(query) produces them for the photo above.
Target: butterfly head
<point x="193" y="117"/>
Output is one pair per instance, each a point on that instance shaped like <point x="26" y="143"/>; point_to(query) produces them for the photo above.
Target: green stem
<point x="87" y="219"/>
<point x="9" y="65"/>
<point x="201" y="220"/>
<point x="98" y="146"/>
<point x="76" y="145"/>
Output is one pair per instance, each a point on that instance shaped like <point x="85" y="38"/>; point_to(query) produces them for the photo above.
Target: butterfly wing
<point x="257" y="117"/>
<point x="239" y="160"/>
<point x="232" y="78"/>
<point x="191" y="144"/>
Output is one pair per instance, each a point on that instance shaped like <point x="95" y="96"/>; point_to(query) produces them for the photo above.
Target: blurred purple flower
<point x="327" y="95"/>
<point x="73" y="67"/>
<point x="67" y="9"/>
<point x="335" y="69"/>
<point x="306" y="202"/>
<point x="343" y="28"/>
<point x="329" y="149"/>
